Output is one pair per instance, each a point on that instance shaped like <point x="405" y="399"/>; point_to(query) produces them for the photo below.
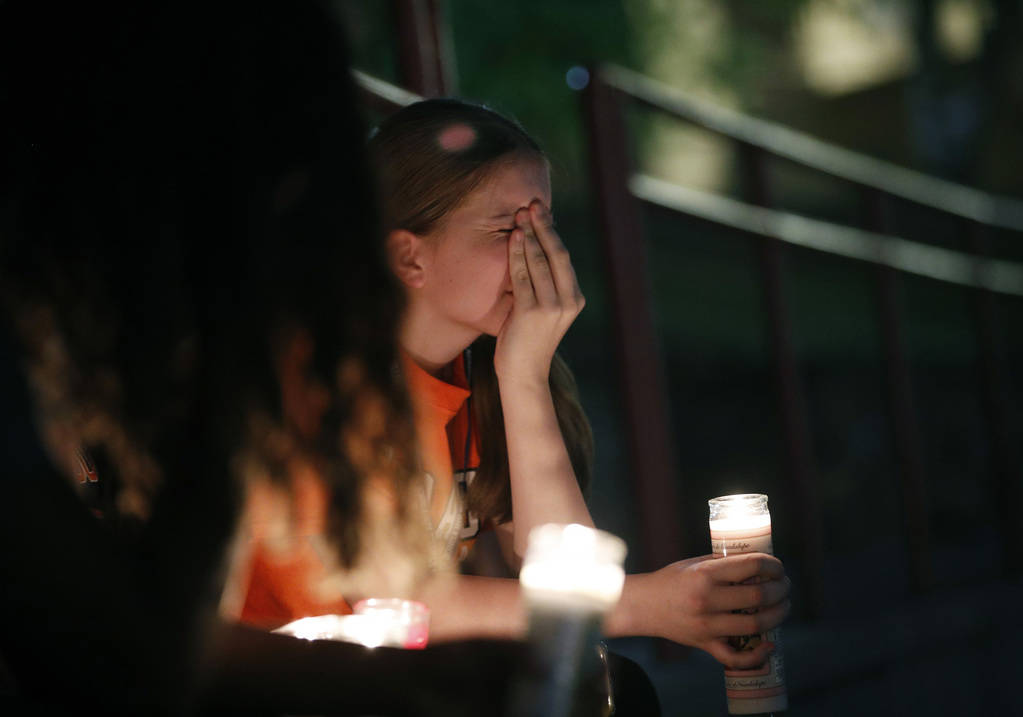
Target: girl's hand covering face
<point x="546" y="293"/>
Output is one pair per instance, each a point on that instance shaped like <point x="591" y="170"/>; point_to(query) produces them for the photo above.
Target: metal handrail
<point x="390" y="95"/>
<point x="939" y="194"/>
<point x="955" y="267"/>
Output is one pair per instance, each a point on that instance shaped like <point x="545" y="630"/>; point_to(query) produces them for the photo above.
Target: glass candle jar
<point x="742" y="524"/>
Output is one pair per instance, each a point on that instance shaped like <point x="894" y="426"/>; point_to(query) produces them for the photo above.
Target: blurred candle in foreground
<point x="572" y="567"/>
<point x="388" y="622"/>
<point x="571" y="577"/>
<point x="409" y="620"/>
<point x="742" y="524"/>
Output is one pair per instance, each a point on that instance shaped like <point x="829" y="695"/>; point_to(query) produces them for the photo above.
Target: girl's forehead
<point x="511" y="187"/>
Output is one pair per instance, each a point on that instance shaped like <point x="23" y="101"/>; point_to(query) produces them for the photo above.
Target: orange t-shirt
<point x="283" y="571"/>
<point x="282" y="578"/>
<point x="448" y="451"/>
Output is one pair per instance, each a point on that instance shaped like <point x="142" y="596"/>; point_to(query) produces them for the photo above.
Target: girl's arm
<point x="690" y="602"/>
<point x="547" y="300"/>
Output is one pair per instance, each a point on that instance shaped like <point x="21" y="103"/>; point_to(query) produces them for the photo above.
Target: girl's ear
<point x="407" y="258"/>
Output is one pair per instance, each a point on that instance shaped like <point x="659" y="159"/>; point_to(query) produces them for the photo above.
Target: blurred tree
<point x="947" y="110"/>
<point x="952" y="110"/>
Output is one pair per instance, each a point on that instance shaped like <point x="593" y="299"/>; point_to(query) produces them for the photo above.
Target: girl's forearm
<point x="626" y="617"/>
<point x="467" y="607"/>
<point x="543" y="484"/>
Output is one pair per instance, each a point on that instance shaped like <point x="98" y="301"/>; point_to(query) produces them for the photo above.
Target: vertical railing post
<point x="998" y="412"/>
<point x="641" y="370"/>
<point x="905" y="421"/>
<point x="425" y="60"/>
<point x="795" y="426"/>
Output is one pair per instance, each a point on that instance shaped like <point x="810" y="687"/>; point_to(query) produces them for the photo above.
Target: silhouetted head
<point x="184" y="187"/>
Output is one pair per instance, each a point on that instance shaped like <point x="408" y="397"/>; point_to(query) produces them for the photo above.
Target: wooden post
<point x="905" y="422"/>
<point x="999" y="414"/>
<point x="792" y="402"/>
<point x="425" y="61"/>
<point x="641" y="371"/>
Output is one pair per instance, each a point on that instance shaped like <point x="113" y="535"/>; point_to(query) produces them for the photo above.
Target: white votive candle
<point x="742" y="524"/>
<point x="388" y="622"/>
<point x="573" y="567"/>
<point x="408" y="621"/>
<point x="362" y="630"/>
<point x="572" y="575"/>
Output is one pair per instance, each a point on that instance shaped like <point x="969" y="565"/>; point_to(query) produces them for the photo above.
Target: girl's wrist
<point x="523" y="379"/>
<point x="625" y="619"/>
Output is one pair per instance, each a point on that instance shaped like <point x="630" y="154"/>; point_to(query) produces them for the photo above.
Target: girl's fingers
<point x="755" y="623"/>
<point x="734" y="659"/>
<point x="522" y="287"/>
<point x="560" y="261"/>
<point x="738" y="568"/>
<point x="742" y="597"/>
<point x="537" y="262"/>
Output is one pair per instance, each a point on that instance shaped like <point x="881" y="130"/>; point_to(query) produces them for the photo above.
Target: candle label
<point x="735" y="542"/>
<point x="761" y="689"/>
<point x="754" y="683"/>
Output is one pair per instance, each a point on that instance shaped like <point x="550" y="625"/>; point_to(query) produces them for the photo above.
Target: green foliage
<point x="514" y="56"/>
<point x="370" y="28"/>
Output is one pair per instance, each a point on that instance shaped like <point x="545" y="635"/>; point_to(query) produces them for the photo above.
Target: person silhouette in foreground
<point x="183" y="190"/>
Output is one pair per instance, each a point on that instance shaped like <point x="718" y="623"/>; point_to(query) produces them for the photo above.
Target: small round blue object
<point x="577" y="77"/>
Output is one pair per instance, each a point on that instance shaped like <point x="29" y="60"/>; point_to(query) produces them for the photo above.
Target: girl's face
<point x="467" y="285"/>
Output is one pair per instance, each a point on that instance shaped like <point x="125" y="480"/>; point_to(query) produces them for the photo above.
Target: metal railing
<point x="381" y="96"/>
<point x="910" y="257"/>
<point x="620" y="192"/>
<point x="808" y="151"/>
